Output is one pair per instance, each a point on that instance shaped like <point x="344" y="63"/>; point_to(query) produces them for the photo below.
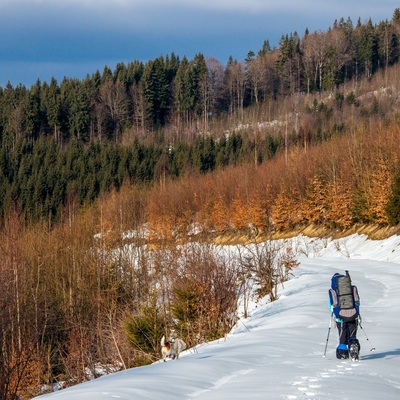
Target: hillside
<point x="277" y="351"/>
<point x="74" y="141"/>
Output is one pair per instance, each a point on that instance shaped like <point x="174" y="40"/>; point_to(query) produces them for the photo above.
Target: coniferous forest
<point x="101" y="178"/>
<point x="170" y="116"/>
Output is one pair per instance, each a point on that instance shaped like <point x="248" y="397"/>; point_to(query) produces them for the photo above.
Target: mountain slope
<point x="277" y="353"/>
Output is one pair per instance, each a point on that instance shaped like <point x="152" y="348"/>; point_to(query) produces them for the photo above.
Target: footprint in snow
<point x="308" y="386"/>
<point x="221" y="382"/>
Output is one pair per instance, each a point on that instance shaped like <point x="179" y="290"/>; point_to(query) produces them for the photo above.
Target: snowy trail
<point x="277" y="353"/>
<point x="379" y="285"/>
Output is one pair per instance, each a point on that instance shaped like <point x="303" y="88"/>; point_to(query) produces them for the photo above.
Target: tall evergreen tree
<point x="266" y="48"/>
<point x="368" y="48"/>
<point x="78" y="110"/>
<point x="32" y="111"/>
<point x="289" y="64"/>
<point x="184" y="92"/>
<point x="200" y="78"/>
<point x="52" y="105"/>
<point x="156" y="91"/>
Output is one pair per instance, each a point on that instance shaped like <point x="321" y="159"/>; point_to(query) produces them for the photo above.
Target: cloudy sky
<point x="46" y="38"/>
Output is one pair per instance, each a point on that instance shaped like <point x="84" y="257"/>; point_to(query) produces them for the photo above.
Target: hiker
<point x="344" y="304"/>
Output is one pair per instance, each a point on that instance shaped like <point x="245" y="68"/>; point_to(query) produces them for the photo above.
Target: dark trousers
<point x="347" y="330"/>
<point x="347" y="333"/>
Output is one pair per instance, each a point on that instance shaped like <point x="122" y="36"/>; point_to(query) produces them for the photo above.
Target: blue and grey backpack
<point x="344" y="297"/>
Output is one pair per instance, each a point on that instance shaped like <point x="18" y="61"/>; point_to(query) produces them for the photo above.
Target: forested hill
<point x="172" y="116"/>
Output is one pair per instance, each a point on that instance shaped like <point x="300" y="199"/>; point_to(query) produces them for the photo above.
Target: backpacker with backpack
<point x="344" y="304"/>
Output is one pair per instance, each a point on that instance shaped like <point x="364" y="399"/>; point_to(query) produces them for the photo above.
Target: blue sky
<point x="40" y="39"/>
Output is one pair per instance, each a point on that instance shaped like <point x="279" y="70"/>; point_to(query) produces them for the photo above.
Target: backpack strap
<point x="333" y="299"/>
<point x="356" y="296"/>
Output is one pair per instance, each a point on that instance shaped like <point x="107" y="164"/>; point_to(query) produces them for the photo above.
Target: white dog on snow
<point x="172" y="349"/>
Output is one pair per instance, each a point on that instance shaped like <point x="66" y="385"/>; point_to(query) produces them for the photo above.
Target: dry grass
<point x="374" y="232"/>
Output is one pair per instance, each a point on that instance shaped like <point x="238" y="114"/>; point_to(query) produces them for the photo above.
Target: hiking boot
<point x="353" y="351"/>
<point x="342" y="353"/>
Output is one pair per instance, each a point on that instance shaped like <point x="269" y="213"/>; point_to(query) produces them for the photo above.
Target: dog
<point x="172" y="349"/>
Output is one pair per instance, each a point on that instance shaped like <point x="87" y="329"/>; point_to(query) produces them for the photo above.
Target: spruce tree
<point x="184" y="90"/>
<point x="368" y="48"/>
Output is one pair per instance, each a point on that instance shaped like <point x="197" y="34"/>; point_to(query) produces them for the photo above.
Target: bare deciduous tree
<point x="256" y="75"/>
<point x="115" y="99"/>
<point x="235" y="81"/>
<point x="315" y="52"/>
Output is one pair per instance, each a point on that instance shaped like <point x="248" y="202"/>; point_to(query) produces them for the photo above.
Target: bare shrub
<point x="205" y="293"/>
<point x="269" y="264"/>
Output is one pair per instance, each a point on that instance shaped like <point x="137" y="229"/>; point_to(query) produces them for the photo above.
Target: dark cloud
<point x="74" y="36"/>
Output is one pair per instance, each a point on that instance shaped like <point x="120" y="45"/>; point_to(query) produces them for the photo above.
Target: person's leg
<point x="342" y="350"/>
<point x="343" y="333"/>
<point x="352" y="326"/>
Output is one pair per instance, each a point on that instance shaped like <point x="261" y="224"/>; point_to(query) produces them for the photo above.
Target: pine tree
<point x="184" y="91"/>
<point x="395" y="42"/>
<point x="144" y="332"/>
<point x="32" y="111"/>
<point x="156" y="91"/>
<point x="201" y="89"/>
<point x="186" y="307"/>
<point x="52" y="106"/>
<point x="266" y="48"/>
<point x="368" y="48"/>
<point x="121" y="74"/>
<point x="134" y="72"/>
<point x="75" y="99"/>
<point x="107" y="75"/>
<point x="171" y="67"/>
<point x="288" y="64"/>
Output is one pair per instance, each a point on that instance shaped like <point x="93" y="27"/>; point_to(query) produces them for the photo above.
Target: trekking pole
<point x="329" y="331"/>
<point x="372" y="348"/>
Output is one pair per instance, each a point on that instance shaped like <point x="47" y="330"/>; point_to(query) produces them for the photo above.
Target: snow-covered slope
<point x="277" y="353"/>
